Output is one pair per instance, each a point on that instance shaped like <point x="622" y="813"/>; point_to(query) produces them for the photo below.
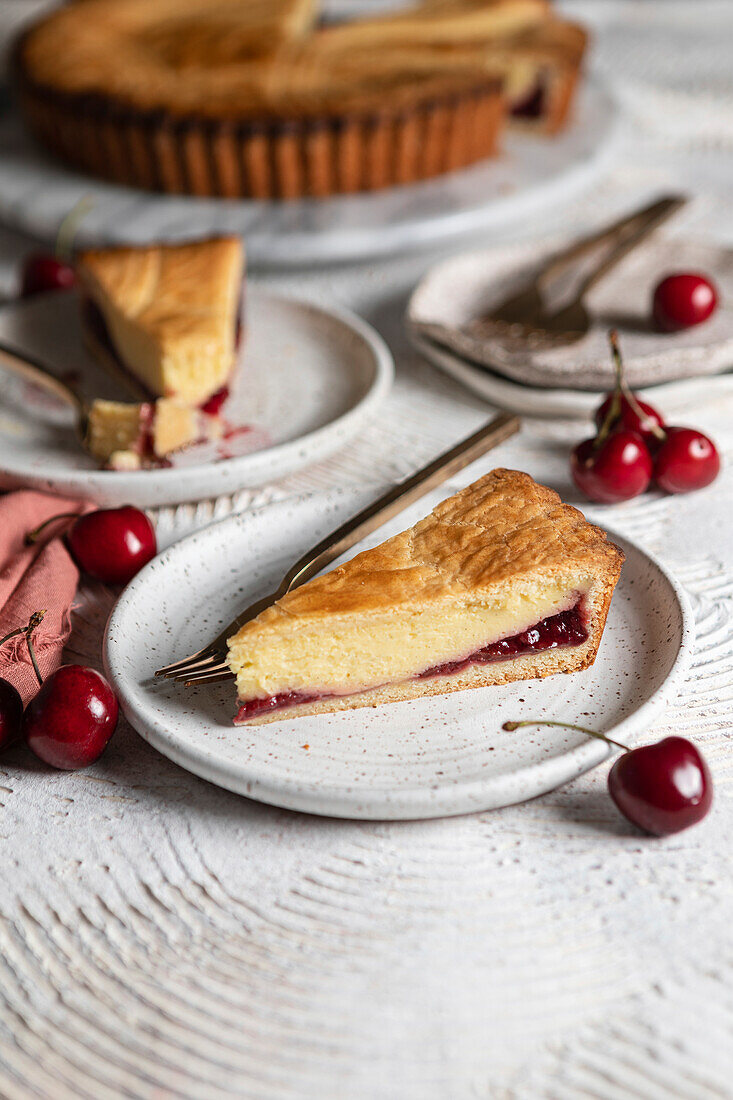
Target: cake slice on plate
<point x="168" y="315"/>
<point x="500" y="582"/>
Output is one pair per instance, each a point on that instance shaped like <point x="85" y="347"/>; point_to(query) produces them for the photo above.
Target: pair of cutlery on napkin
<point x="550" y="310"/>
<point x="539" y="317"/>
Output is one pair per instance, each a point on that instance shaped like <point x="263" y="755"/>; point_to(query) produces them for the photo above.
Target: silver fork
<point x="525" y="320"/>
<point x="208" y="665"/>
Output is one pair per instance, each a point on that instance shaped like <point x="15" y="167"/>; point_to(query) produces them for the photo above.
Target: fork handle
<point x="623" y="229"/>
<point x="626" y="244"/>
<point x="398" y="498"/>
<point x="209" y="664"/>
<point x="19" y="362"/>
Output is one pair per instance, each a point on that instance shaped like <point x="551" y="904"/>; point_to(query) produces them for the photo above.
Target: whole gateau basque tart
<point x="500" y="582"/>
<point x="259" y="98"/>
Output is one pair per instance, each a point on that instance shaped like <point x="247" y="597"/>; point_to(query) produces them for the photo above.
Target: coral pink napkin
<point x="33" y="578"/>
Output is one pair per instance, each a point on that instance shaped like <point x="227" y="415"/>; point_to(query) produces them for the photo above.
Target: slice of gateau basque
<point x="166" y="314"/>
<point x="500" y="582"/>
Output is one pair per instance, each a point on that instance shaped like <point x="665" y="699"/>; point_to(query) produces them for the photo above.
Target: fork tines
<point x="204" y="660"/>
<point x="197" y="672"/>
<point x="218" y="674"/>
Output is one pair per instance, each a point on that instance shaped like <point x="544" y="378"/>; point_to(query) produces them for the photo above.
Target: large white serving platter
<point x="307" y="381"/>
<point x="36" y="192"/>
<point x="418" y="759"/>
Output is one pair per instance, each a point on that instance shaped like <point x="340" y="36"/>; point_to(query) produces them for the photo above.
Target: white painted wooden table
<point x="160" y="938"/>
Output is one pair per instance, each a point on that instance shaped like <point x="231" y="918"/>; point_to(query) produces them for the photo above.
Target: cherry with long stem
<point x="46" y="271"/>
<point x="11" y="702"/>
<point x="662" y="788"/>
<point x="111" y="544"/>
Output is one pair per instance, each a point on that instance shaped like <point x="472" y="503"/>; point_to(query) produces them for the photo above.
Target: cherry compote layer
<point x="567" y="628"/>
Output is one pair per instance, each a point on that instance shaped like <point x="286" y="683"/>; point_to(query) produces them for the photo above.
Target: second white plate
<point x="502" y="393"/>
<point x="424" y="758"/>
<point x="308" y="380"/>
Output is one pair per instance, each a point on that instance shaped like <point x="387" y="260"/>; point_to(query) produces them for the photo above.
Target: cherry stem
<point x="623" y="388"/>
<point x="32" y="536"/>
<point x="67" y="227"/>
<point x="34" y="621"/>
<point x="614" y="409"/>
<point x="511" y="726"/>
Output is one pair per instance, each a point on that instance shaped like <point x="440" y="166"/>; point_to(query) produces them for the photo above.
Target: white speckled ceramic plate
<point x="308" y="380"/>
<point x="502" y="393"/>
<point x="417" y="759"/>
<point x="36" y="192"/>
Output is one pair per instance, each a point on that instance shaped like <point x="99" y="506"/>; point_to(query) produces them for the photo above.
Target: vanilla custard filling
<point x="354" y="655"/>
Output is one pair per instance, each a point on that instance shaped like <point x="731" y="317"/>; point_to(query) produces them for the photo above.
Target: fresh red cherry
<point x="682" y="300"/>
<point x="11" y="714"/>
<point x="43" y="271"/>
<point x="634" y="414"/>
<point x="614" y="469"/>
<point x="53" y="270"/>
<point x="112" y="544"/>
<point x="72" y="718"/>
<point x="686" y="460"/>
<point x="662" y="788"/>
<point x="11" y="703"/>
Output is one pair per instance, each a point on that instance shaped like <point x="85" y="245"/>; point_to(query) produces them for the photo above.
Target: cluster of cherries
<point x="633" y="445"/>
<point x="665" y="787"/>
<point x="70" y="721"/>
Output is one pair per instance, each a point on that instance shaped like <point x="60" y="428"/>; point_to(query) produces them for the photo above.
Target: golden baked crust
<point x="503" y="542"/>
<point x="174" y="307"/>
<point x="542" y="59"/>
<point x="254" y="99"/>
<point x="168" y="288"/>
<point x="503" y="528"/>
<point x="68" y="52"/>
